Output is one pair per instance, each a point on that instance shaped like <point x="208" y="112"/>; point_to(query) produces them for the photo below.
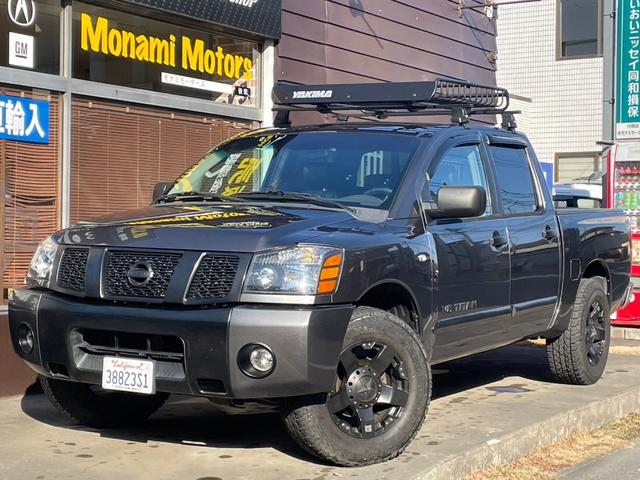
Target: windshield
<point x="350" y="168"/>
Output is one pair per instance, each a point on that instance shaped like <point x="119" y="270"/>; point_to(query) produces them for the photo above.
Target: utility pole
<point x="609" y="9"/>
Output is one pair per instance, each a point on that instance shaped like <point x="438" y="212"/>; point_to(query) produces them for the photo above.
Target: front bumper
<point x="196" y="349"/>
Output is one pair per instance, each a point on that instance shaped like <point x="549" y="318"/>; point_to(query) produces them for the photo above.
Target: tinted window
<point x="579" y="21"/>
<point x="514" y="180"/>
<point x="354" y="168"/>
<point x="460" y="166"/>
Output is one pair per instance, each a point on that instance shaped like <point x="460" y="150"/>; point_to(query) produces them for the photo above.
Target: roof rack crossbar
<point x="458" y="98"/>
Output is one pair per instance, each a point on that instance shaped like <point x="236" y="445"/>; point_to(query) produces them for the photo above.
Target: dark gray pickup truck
<point x="326" y="269"/>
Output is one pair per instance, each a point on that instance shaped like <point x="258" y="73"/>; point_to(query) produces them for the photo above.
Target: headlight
<point x="301" y="270"/>
<point x="42" y="263"/>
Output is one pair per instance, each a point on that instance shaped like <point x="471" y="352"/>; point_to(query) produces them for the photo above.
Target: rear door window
<point x="515" y="179"/>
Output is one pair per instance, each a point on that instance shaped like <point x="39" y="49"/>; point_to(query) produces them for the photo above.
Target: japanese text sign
<point x="24" y="120"/>
<point x="628" y="70"/>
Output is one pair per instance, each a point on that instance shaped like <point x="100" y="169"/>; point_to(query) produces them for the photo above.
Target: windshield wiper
<point x="196" y="196"/>
<point x="279" y="195"/>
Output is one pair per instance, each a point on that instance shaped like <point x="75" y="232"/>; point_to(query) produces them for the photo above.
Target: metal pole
<point x="268" y="74"/>
<point x="493" y="3"/>
<point x="65" y="203"/>
<point x="609" y="64"/>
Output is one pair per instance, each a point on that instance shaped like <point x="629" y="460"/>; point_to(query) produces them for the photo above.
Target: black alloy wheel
<point x="378" y="400"/>
<point x="579" y="355"/>
<point x="595" y="333"/>
<point x="371" y="390"/>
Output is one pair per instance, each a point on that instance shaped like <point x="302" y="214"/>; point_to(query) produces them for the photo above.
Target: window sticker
<point x="243" y="176"/>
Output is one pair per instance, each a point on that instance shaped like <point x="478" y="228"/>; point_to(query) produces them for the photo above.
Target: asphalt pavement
<point x="621" y="465"/>
<point x="491" y="408"/>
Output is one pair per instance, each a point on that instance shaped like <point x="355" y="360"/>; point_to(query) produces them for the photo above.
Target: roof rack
<point x="442" y="96"/>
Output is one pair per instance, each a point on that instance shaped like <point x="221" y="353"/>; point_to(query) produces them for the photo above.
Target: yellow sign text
<point x="97" y="36"/>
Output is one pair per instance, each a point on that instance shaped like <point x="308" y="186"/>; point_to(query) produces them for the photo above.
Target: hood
<point x="214" y="227"/>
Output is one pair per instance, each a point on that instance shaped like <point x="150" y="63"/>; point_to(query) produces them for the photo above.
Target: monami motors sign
<point x="97" y="36"/>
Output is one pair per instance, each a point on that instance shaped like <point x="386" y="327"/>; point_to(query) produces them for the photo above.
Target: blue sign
<point x="24" y="120"/>
<point x="547" y="170"/>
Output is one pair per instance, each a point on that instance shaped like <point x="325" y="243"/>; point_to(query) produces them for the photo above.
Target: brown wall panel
<point x="388" y="35"/>
<point x="15" y="376"/>
<point x="334" y="41"/>
<point x="299" y="71"/>
<point x="396" y="63"/>
<point x="434" y="17"/>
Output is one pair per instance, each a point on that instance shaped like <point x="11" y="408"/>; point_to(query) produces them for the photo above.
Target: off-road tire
<point x="311" y="425"/>
<point x="568" y="354"/>
<point x="82" y="404"/>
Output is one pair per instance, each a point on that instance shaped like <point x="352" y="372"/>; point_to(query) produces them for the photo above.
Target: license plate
<point x="129" y="375"/>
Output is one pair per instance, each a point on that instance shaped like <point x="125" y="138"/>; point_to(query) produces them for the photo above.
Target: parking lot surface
<point x="478" y="401"/>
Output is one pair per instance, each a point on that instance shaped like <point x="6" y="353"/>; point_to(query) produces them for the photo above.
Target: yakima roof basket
<point x="458" y="98"/>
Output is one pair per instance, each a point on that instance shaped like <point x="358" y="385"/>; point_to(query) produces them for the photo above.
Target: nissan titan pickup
<point x="326" y="269"/>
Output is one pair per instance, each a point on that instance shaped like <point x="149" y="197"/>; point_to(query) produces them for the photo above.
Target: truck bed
<point x="597" y="239"/>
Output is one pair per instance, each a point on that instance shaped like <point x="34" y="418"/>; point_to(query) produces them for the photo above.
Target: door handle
<point x="549" y="234"/>
<point x="497" y="241"/>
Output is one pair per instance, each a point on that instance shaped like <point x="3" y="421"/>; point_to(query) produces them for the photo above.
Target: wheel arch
<point x="598" y="268"/>
<point x="395" y="297"/>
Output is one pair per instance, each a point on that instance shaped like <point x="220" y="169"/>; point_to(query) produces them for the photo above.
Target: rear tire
<point x="579" y="355"/>
<point x="379" y="402"/>
<point x="88" y="405"/>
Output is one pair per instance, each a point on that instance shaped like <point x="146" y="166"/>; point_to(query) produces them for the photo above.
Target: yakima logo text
<point x="245" y="3"/>
<point x="313" y="94"/>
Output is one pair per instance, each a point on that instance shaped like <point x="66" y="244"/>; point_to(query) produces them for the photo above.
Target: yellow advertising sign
<point x="99" y="37"/>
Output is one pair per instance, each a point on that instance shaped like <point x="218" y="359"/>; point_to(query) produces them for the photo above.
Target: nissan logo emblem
<point x="140" y="274"/>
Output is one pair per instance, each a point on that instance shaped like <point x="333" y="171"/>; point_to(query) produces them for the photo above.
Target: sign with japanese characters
<point x="628" y="70"/>
<point x="24" y="120"/>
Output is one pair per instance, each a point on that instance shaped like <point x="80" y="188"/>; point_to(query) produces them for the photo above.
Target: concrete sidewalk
<point x="491" y="408"/>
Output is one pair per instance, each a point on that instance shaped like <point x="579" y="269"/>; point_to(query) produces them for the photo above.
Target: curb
<point x="624" y="333"/>
<point x="516" y="444"/>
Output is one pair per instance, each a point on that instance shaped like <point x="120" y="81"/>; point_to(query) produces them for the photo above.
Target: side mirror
<point x="161" y="189"/>
<point x="460" y="202"/>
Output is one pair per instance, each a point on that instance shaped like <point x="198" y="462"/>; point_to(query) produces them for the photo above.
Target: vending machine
<point x="622" y="190"/>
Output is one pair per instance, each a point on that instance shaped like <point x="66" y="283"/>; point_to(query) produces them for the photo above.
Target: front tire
<point x="380" y="398"/>
<point x="579" y="355"/>
<point x="91" y="406"/>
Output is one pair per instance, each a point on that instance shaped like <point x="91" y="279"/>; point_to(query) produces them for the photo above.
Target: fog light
<point x="261" y="359"/>
<point x="26" y="339"/>
<point x="256" y="361"/>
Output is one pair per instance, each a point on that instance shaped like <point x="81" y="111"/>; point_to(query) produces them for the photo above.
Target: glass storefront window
<point x="30" y="35"/>
<point x="29" y="192"/>
<point x="123" y="49"/>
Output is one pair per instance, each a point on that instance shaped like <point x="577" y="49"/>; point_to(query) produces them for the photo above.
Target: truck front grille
<point x="214" y="278"/>
<point x="72" y="270"/>
<point x="91" y="346"/>
<point x="117" y="281"/>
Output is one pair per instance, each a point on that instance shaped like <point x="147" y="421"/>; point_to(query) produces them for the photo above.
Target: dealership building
<point x="101" y="99"/>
